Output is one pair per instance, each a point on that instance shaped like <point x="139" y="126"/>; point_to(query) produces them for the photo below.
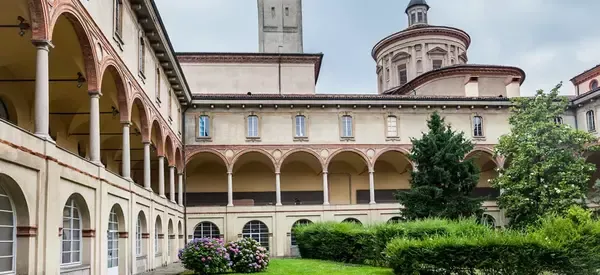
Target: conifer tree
<point x="443" y="181"/>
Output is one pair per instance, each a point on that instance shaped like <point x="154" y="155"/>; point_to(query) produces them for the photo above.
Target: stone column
<point x="371" y="188"/>
<point x="277" y="188"/>
<point x="180" y="190"/>
<point x="325" y="189"/>
<point x="172" y="183"/>
<point x="161" y="176"/>
<point x="229" y="188"/>
<point x="147" y="166"/>
<point x="42" y="90"/>
<point x="126" y="156"/>
<point x="95" y="127"/>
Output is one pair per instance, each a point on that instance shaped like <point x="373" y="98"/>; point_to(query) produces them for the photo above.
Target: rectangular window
<point x="392" y="126"/>
<point x="437" y="64"/>
<point x="347" y="126"/>
<point x="253" y="126"/>
<point x="477" y="126"/>
<point x="204" y="126"/>
<point x="420" y="17"/>
<point x="412" y="18"/>
<point x="402" y="75"/>
<point x="142" y="55"/>
<point x="158" y="85"/>
<point x="387" y="74"/>
<point x="170" y="106"/>
<point x="138" y="238"/>
<point x="591" y="121"/>
<point x="558" y="120"/>
<point x="119" y="18"/>
<point x="300" y="126"/>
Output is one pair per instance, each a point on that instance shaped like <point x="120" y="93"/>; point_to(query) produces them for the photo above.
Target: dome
<point x="413" y="3"/>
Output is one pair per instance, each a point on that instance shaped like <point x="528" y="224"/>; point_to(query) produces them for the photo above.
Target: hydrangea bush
<point x="205" y="256"/>
<point x="247" y="256"/>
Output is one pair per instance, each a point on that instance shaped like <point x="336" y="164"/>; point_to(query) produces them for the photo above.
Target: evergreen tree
<point x="547" y="171"/>
<point x="444" y="180"/>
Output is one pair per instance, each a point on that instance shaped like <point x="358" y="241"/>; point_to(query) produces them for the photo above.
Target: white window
<point x="477" y="126"/>
<point x="8" y="234"/>
<point x="392" y="126"/>
<point x="204" y="126"/>
<point x="412" y="18"/>
<point x="437" y="64"/>
<point x="420" y="17"/>
<point x="253" y="126"/>
<point x="71" y="235"/>
<point x="300" y="126"/>
<point x="558" y="120"/>
<point x="402" y="75"/>
<point x="157" y="228"/>
<point x="142" y="55"/>
<point x="347" y="126"/>
<point x="113" y="239"/>
<point x="119" y="18"/>
<point x="296" y="224"/>
<point x="258" y="231"/>
<point x="138" y="237"/>
<point x="206" y="230"/>
<point x="591" y="121"/>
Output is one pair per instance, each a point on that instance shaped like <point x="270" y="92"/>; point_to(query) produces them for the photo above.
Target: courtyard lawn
<point x="305" y="266"/>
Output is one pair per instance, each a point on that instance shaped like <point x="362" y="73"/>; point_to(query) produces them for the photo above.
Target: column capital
<point x="42" y="44"/>
<point x="126" y="124"/>
<point x="180" y="174"/>
<point x="324" y="171"/>
<point x="147" y="143"/>
<point x="277" y="172"/>
<point x="161" y="157"/>
<point x="229" y="172"/>
<point x="94" y="93"/>
<point x="172" y="167"/>
<point x="371" y="170"/>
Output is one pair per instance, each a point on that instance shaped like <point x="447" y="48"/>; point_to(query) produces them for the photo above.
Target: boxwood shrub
<point x="353" y="243"/>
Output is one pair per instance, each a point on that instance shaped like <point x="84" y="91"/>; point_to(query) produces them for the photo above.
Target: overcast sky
<point x="552" y="40"/>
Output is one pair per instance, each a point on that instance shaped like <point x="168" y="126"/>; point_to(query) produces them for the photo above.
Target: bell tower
<point x="280" y="26"/>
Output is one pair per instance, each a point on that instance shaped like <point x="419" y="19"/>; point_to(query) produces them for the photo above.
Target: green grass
<point x="305" y="266"/>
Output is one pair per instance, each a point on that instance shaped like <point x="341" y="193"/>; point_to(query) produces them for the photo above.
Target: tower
<point x="417" y="12"/>
<point x="280" y="26"/>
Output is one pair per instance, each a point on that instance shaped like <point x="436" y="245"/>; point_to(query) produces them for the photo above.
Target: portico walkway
<point x="171" y="269"/>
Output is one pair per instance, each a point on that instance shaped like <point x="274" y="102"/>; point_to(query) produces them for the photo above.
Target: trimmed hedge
<point x="558" y="245"/>
<point x="354" y="243"/>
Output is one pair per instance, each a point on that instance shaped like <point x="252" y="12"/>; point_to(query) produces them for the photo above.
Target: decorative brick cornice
<point x="420" y="31"/>
<point x="477" y="70"/>
<point x="586" y="75"/>
<point x="88" y="233"/>
<point x="26" y="231"/>
<point x="145" y="235"/>
<point x="123" y="235"/>
<point x="253" y="58"/>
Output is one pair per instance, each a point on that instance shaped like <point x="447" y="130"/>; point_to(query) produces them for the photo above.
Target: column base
<point x="229" y="204"/>
<point x="278" y="204"/>
<point x="97" y="163"/>
<point x="128" y="179"/>
<point x="173" y="201"/>
<point x="163" y="196"/>
<point x="149" y="189"/>
<point x="371" y="203"/>
<point x="326" y="203"/>
<point x="180" y="204"/>
<point x="45" y="137"/>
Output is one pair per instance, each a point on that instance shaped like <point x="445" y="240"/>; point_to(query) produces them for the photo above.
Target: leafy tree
<point x="547" y="171"/>
<point x="444" y="180"/>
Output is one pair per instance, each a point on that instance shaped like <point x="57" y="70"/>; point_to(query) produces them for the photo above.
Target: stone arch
<point x="158" y="225"/>
<point x="249" y="151"/>
<point x="110" y="66"/>
<point x="85" y="41"/>
<point x="16" y="194"/>
<point x="144" y="222"/>
<point x="120" y="216"/>
<point x="22" y="223"/>
<point x="488" y="166"/>
<point x="83" y="208"/>
<point x="158" y="139"/>
<point x="355" y="151"/>
<point x="169" y="152"/>
<point x="301" y="150"/>
<point x="138" y="102"/>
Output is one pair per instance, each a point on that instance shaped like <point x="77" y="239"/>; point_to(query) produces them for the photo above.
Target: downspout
<point x="184" y="174"/>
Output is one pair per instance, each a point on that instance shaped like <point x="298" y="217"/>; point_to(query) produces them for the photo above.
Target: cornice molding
<point x="420" y="31"/>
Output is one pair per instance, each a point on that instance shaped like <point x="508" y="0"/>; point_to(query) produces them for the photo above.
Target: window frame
<point x="248" y="232"/>
<point x="594" y="81"/>
<point x="343" y="136"/>
<point x="474" y="117"/>
<point x="258" y="128"/>
<point x="591" y="129"/>
<point x="198" y="126"/>
<point x="139" y="249"/>
<point x="559" y="120"/>
<point x="13" y="241"/>
<point x="118" y="6"/>
<point x="305" y="125"/>
<point x="213" y="230"/>
<point x="402" y="69"/>
<point x="387" y="127"/>
<point x="142" y="55"/>
<point x="433" y="61"/>
<point x="73" y="208"/>
<point x="157" y="244"/>
<point x="158" y="83"/>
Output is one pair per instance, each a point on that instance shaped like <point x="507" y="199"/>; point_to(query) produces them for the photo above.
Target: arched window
<point x="478" y="126"/>
<point x="253" y="126"/>
<point x="258" y="231"/>
<point x="392" y="126"/>
<point x="138" y="236"/>
<point x="4" y="111"/>
<point x="71" y="234"/>
<point x="157" y="230"/>
<point x="591" y="121"/>
<point x="488" y="220"/>
<point x="558" y="120"/>
<point x="206" y="230"/>
<point x="8" y="235"/>
<point x="352" y="220"/>
<point x="300" y="122"/>
<point x="298" y="223"/>
<point x="113" y="240"/>
<point x="396" y="220"/>
<point x="594" y="84"/>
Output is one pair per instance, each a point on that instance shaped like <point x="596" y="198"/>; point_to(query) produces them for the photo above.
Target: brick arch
<point x="160" y="148"/>
<point x="400" y="150"/>
<point x="83" y="35"/>
<point x="291" y="152"/>
<point x="356" y="151"/>
<point x="138" y="100"/>
<point x="38" y="17"/>
<point x="178" y="160"/>
<point x="252" y="150"/>
<point x="169" y="152"/>
<point x="485" y="150"/>
<point x="111" y="66"/>
<point x="190" y="156"/>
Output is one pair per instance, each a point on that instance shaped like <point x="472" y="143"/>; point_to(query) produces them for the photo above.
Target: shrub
<point x="346" y="242"/>
<point x="205" y="256"/>
<point x="247" y="256"/>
